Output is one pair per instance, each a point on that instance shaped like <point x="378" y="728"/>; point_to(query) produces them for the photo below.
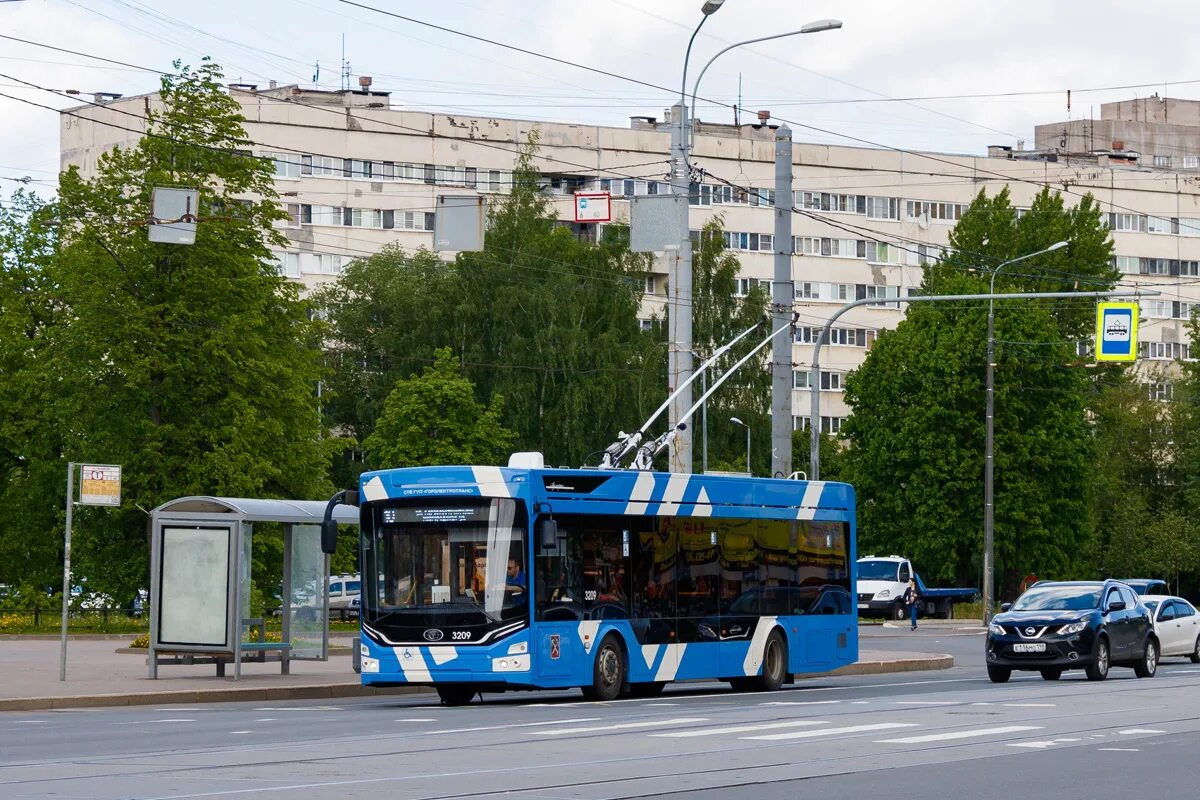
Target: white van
<point x="343" y="589"/>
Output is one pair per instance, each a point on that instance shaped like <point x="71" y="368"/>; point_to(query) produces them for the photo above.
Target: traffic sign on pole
<point x="1116" y="331"/>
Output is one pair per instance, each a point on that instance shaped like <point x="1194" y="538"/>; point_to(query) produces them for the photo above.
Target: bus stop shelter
<point x="200" y="580"/>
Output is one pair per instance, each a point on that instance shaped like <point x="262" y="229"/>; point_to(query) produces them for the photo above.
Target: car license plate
<point x="863" y="605"/>
<point x="1029" y="647"/>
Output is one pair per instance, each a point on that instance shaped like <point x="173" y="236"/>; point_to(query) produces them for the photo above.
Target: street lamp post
<point x="680" y="269"/>
<point x="989" y="437"/>
<point x="737" y="421"/>
<point x="783" y="292"/>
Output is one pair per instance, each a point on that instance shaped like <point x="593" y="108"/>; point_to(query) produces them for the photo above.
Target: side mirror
<point x="1005" y="607"/>
<point x="329" y="528"/>
<point x="547" y="533"/>
<point x="1115" y="605"/>
<point x="329" y="532"/>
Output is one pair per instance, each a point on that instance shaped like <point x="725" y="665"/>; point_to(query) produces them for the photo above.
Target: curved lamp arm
<point x="812" y="27"/>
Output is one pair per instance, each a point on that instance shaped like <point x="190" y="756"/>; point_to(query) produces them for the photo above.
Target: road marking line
<point x="1044" y="744"/>
<point x="152" y="722"/>
<point x="1117" y="750"/>
<point x="740" y="729"/>
<point x="625" y="726"/>
<point x="879" y="726"/>
<point x="925" y="702"/>
<point x="945" y="737"/>
<point x="237" y="733"/>
<point x="267" y="719"/>
<point x="803" y="703"/>
<point x="1132" y="731"/>
<point x="29" y="721"/>
<point x="860" y="703"/>
<point x="515" y="725"/>
<point x="418" y="719"/>
<point x="1029" y="705"/>
<point x="659" y="705"/>
<point x="301" y="708"/>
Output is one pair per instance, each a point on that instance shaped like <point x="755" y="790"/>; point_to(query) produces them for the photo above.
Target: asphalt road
<point x="930" y="735"/>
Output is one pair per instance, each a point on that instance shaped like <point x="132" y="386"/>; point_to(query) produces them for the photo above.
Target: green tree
<point x="541" y="316"/>
<point x="194" y="367"/>
<point x="30" y="442"/>
<point x="917" y="433"/>
<point x="434" y="419"/>
<point x="388" y="314"/>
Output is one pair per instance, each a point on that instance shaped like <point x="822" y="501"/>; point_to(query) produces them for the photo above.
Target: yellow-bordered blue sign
<point x="1116" y="331"/>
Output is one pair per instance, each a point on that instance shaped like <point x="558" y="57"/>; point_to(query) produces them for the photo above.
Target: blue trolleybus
<point x="615" y="581"/>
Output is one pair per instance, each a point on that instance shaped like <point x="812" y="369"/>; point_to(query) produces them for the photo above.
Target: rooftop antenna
<point x="345" y="66"/>
<point x="626" y="442"/>
<point x="738" y="107"/>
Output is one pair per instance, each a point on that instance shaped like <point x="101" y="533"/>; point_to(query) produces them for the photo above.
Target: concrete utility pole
<point x="782" y="304"/>
<point x="680" y="297"/>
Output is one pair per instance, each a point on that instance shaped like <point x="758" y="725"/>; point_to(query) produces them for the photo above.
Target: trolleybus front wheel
<point x="457" y="694"/>
<point x="608" y="671"/>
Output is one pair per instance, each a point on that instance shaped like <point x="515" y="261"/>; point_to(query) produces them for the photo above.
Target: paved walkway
<point x="99" y="675"/>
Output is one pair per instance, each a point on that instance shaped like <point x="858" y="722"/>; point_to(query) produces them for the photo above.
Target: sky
<point x="848" y="86"/>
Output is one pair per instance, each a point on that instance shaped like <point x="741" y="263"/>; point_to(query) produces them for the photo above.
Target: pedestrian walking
<point x="912" y="599"/>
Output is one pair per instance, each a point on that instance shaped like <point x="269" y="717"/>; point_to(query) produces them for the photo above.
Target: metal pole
<point x="680" y="298"/>
<point x="814" y="376"/>
<point x="749" y="470"/>
<point x="782" y="303"/>
<point x="988" y="487"/>
<point x="66" y="600"/>
<point x="704" y="423"/>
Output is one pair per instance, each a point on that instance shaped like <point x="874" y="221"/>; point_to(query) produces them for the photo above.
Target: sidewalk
<point x="99" y="675"/>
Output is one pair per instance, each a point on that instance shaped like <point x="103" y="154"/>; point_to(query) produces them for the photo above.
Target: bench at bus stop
<point x="260" y="651"/>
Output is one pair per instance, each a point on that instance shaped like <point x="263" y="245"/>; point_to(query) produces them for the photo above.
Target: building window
<point x="648" y="285"/>
<point x="646" y="324"/>
<point x="883" y="208"/>
<point x="1162" y="161"/>
<point x="831" y="381"/>
<point x="288" y="264"/>
<point x="287" y="165"/>
<point x="1160" y="225"/>
<point x="742" y="286"/>
<point x="1191" y="162"/>
<point x="429" y="174"/>
<point x="1161" y="390"/>
<point x="1127" y="222"/>
<point x="1128" y="265"/>
<point x="832" y="424"/>
<point x="800" y="379"/>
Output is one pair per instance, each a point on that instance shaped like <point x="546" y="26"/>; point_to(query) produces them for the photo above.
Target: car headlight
<point x="1072" y="628"/>
<point x="883" y="595"/>
<point x="995" y="629"/>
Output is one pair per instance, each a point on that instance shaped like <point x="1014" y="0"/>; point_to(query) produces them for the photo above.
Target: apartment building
<point x="356" y="173"/>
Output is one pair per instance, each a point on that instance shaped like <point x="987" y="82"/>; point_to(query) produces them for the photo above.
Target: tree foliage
<point x="916" y="436"/>
<point x="434" y="419"/>
<point x="540" y="316"/>
<point x="193" y="367"/>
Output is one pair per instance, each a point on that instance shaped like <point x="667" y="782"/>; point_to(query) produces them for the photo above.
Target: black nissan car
<point x="1057" y="626"/>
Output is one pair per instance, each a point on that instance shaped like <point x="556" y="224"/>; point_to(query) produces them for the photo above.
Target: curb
<point x="330" y="691"/>
<point x="939" y="661"/>
<point x="188" y="696"/>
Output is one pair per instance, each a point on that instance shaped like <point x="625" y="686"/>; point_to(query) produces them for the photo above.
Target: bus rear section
<point x="487" y="579"/>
